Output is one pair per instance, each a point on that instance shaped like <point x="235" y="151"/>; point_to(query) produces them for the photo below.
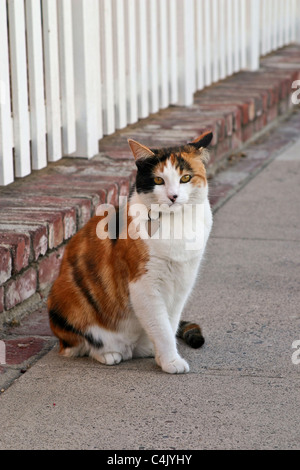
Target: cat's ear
<point x="203" y="141"/>
<point x="140" y="152"/>
<point x="199" y="145"/>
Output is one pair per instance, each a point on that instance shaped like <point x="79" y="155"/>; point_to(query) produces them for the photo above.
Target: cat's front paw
<point x="109" y="358"/>
<point x="176" y="366"/>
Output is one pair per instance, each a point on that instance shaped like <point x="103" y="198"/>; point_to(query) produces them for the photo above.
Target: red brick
<point x="242" y="91"/>
<point x="21" y="288"/>
<point x="5" y="264"/>
<point x="70" y="225"/>
<point x="272" y="113"/>
<point x="55" y="225"/>
<point x="229" y="125"/>
<point x="247" y="132"/>
<point x="260" y="122"/>
<point x="237" y="139"/>
<point x="221" y="129"/>
<point x="223" y="148"/>
<point x="1" y="299"/>
<point x="21" y="349"/>
<point x="237" y="120"/>
<point x="283" y="106"/>
<point x="19" y="245"/>
<point x="112" y="195"/>
<point x="84" y="212"/>
<point x="86" y="190"/>
<point x="48" y="268"/>
<point x="39" y="241"/>
<point x="48" y="203"/>
<point x="37" y="233"/>
<point x="124" y="187"/>
<point x="133" y="178"/>
<point x="54" y="221"/>
<point x="218" y="191"/>
<point x="265" y="98"/>
<point x="245" y="113"/>
<point x="231" y="112"/>
<point x="37" y="322"/>
<point x="231" y="97"/>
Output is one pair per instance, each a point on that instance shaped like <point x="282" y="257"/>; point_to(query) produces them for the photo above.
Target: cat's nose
<point x="173" y="198"/>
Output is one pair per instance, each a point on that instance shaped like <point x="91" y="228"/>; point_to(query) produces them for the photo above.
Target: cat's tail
<point x="190" y="333"/>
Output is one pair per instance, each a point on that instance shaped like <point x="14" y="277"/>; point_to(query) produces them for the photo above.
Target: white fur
<point x="158" y="297"/>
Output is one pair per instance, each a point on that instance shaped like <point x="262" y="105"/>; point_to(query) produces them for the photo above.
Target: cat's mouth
<point x="176" y="205"/>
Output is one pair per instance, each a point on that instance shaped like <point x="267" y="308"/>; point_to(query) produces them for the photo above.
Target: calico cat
<point x="121" y="296"/>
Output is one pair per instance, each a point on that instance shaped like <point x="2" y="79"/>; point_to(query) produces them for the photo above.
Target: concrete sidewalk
<point x="242" y="391"/>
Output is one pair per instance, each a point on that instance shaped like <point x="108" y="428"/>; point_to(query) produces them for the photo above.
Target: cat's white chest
<point x="181" y="235"/>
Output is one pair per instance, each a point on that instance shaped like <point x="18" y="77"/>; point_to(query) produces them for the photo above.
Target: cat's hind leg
<point x="108" y="358"/>
<point x="108" y="347"/>
<point x="72" y="351"/>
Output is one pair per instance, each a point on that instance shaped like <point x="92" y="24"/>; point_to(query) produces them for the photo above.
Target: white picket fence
<point x="72" y="71"/>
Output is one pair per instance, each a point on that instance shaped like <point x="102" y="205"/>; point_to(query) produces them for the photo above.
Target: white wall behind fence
<point x="72" y="71"/>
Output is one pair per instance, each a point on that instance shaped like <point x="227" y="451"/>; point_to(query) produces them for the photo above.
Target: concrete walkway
<point x="242" y="391"/>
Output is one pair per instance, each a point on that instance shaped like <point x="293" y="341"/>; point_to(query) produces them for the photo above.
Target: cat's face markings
<point x="174" y="181"/>
<point x="172" y="174"/>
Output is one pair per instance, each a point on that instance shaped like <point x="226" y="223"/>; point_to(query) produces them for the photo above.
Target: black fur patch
<point x="78" y="279"/>
<point x="96" y="343"/>
<point x="191" y="334"/>
<point x="58" y="320"/>
<point x="145" y="174"/>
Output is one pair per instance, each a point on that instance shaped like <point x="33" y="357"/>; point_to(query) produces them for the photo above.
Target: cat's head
<point x="174" y="175"/>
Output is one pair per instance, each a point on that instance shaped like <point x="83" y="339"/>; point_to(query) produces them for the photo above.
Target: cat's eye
<point x="185" y="178"/>
<point x="158" y="180"/>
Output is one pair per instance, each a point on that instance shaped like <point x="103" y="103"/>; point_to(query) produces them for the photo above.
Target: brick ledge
<point x="40" y="213"/>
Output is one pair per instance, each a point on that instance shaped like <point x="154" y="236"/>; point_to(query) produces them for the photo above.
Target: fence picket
<point x="216" y="41"/>
<point x="243" y="34"/>
<point x="107" y="66"/>
<point x="143" y="59"/>
<point x="120" y="65"/>
<point x="6" y="141"/>
<point x="51" y="62"/>
<point x="173" y="51"/>
<point x="207" y="41"/>
<point x="72" y="71"/>
<point x="199" y="28"/>
<point x="254" y="35"/>
<point x="66" y="63"/>
<point x="229" y="38"/>
<point x="163" y="48"/>
<point x="85" y="38"/>
<point x="187" y="84"/>
<point x="222" y="33"/>
<point x="236" y="35"/>
<point x="154" y="101"/>
<point x="36" y="84"/>
<point x="18" y="65"/>
<point x="132" y="65"/>
<point x="293" y="23"/>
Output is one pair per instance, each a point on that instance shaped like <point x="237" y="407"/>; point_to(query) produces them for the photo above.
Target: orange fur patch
<point x="92" y="286"/>
<point x="197" y="166"/>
